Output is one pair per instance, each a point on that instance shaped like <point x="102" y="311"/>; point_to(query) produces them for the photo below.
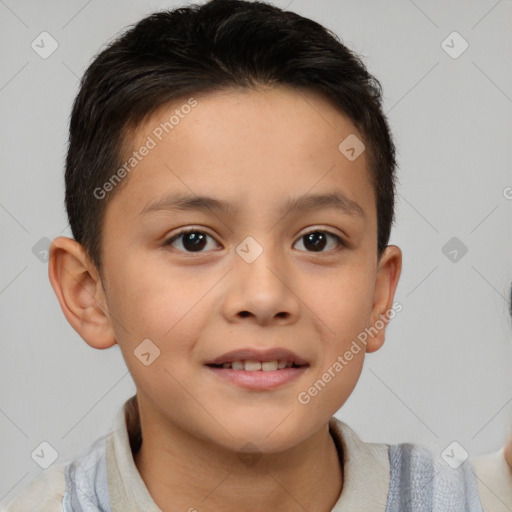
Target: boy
<point x="230" y="187"/>
<point x="494" y="472"/>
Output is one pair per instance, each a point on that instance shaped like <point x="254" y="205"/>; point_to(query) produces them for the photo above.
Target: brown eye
<point x="316" y="241"/>
<point x="192" y="240"/>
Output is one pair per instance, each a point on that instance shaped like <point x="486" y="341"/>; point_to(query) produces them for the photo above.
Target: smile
<point x="257" y="375"/>
<point x="251" y="366"/>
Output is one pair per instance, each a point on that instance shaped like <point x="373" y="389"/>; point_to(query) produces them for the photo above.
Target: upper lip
<point x="248" y="354"/>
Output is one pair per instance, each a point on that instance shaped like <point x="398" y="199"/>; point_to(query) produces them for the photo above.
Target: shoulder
<point x="81" y="482"/>
<point x="420" y="480"/>
<point x="494" y="477"/>
<point x="44" y="493"/>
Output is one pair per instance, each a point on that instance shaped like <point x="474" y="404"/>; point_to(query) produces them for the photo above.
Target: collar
<point x="366" y="468"/>
<point x="494" y="481"/>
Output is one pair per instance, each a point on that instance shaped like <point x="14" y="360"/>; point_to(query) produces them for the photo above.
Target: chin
<point x="268" y="435"/>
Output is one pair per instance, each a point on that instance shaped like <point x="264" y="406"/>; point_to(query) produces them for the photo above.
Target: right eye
<point x="192" y="240"/>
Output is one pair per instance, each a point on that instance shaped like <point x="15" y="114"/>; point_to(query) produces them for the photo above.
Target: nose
<point x="261" y="291"/>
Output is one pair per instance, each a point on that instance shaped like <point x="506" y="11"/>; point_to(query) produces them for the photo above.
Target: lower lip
<point x="259" y="379"/>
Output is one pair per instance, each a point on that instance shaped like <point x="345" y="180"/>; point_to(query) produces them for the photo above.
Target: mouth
<point x="252" y="365"/>
<point x="250" y="359"/>
<point x="258" y="370"/>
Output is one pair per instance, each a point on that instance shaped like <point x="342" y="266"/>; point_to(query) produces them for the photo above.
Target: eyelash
<point x="168" y="242"/>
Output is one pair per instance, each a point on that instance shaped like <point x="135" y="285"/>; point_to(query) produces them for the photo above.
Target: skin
<point x="508" y="452"/>
<point x="253" y="149"/>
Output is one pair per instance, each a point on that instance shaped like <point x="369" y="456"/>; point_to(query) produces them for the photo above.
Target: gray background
<point x="444" y="373"/>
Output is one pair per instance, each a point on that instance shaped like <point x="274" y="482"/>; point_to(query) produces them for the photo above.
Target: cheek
<point x="165" y="305"/>
<point x="347" y="314"/>
<point x="341" y="303"/>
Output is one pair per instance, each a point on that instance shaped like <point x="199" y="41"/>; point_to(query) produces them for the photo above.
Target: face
<point x="251" y="274"/>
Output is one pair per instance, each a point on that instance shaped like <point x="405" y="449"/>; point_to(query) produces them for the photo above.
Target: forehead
<point x="252" y="147"/>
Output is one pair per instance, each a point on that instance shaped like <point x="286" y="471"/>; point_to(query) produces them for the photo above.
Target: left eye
<point x="318" y="239"/>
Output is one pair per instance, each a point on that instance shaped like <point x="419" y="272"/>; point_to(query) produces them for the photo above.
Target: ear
<point x="79" y="289"/>
<point x="388" y="274"/>
<point x="508" y="451"/>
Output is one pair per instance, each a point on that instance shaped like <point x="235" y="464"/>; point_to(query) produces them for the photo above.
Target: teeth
<point x="269" y="366"/>
<point x="251" y="366"/>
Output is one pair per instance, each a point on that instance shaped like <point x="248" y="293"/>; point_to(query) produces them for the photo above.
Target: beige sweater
<point x="366" y="469"/>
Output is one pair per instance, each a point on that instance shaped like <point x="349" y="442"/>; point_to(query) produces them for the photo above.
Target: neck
<point x="183" y="472"/>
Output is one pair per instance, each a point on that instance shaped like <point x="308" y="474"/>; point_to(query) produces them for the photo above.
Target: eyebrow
<point x="309" y="202"/>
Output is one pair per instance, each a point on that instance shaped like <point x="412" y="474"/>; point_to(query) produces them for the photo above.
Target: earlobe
<point x="388" y="274"/>
<point x="78" y="287"/>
